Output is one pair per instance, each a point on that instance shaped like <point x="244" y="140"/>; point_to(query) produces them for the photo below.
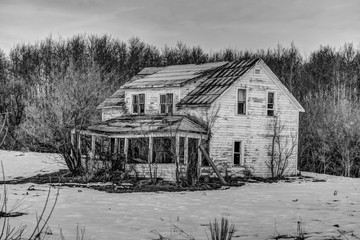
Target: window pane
<point x="270" y="112"/>
<point x="270" y="106"/>
<point x="237" y="147"/>
<point x="237" y="158"/>
<point x="142" y="108"/>
<point x="170" y="108"/>
<point x="169" y="97"/>
<point x="241" y="108"/>
<point x="162" y="108"/>
<point x="270" y="97"/>
<point x="141" y="98"/>
<point x="241" y="95"/>
<point x="135" y="108"/>
<point x="162" y="99"/>
<point x="135" y="99"/>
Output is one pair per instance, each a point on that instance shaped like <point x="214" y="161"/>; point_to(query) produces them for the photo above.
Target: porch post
<point x="115" y="150"/>
<point x="177" y="149"/>
<point x="78" y="138"/>
<point x="186" y="150"/>
<point x="151" y="147"/>
<point x="72" y="140"/>
<point x="126" y="147"/>
<point x="92" y="152"/>
<point x="199" y="156"/>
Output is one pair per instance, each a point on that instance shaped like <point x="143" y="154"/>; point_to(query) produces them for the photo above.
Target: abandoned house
<point x="159" y="118"/>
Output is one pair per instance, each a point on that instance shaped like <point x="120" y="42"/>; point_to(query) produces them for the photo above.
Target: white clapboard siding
<point x="252" y="128"/>
<point x="152" y="98"/>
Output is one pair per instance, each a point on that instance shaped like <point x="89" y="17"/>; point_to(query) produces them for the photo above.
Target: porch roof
<point x="145" y="125"/>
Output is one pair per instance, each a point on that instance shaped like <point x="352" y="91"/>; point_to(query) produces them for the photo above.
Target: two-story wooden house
<point x="159" y="118"/>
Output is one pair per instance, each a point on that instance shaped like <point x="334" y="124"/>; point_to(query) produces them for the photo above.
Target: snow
<point x="257" y="209"/>
<point x="26" y="164"/>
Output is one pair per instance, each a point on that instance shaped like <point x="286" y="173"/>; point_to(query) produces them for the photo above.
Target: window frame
<point x="257" y="69"/>
<point x="167" y="104"/>
<point x="241" y="153"/>
<point x="138" y="104"/>
<point x="237" y="102"/>
<point x="267" y="104"/>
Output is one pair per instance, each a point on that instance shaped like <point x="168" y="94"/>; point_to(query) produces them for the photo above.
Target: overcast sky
<point x="212" y="24"/>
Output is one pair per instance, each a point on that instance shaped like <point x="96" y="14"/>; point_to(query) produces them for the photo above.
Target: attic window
<point x="138" y="104"/>
<point x="257" y="71"/>
<point x="166" y="103"/>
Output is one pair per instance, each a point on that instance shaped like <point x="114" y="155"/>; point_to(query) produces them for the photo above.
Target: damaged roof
<point x="171" y="76"/>
<point x="118" y="98"/>
<point x="142" y="125"/>
<point x="214" y="78"/>
<point x="217" y="82"/>
<point x="150" y="77"/>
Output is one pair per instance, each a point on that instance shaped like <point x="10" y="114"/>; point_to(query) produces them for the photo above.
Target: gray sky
<point x="214" y="25"/>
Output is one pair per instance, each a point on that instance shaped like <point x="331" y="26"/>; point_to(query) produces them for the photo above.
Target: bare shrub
<point x="283" y="143"/>
<point x="71" y="104"/>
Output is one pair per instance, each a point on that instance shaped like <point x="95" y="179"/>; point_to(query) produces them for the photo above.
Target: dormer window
<point x="138" y="104"/>
<point x="166" y="103"/>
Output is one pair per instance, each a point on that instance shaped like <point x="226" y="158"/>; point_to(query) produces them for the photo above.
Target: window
<point x="138" y="104"/>
<point x="138" y="150"/>
<point x="204" y="161"/>
<point x="237" y="153"/>
<point x="270" y="104"/>
<point x="163" y="150"/>
<point x="257" y="71"/>
<point x="166" y="103"/>
<point x="241" y="101"/>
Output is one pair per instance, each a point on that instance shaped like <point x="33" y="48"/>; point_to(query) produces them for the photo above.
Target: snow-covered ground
<point x="258" y="210"/>
<point x="26" y="164"/>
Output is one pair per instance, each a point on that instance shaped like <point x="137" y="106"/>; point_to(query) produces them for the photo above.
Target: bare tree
<point x="71" y="105"/>
<point x="283" y="143"/>
<point x="3" y="127"/>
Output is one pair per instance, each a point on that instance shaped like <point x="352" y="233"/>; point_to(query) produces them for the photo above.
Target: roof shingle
<point x="141" y="125"/>
<point x="175" y="75"/>
<point x="217" y="82"/>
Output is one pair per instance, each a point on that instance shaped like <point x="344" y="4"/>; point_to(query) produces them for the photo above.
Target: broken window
<point x="270" y="104"/>
<point x="204" y="161"/>
<point x="166" y="103"/>
<point x="138" y="104"/>
<point x="119" y="152"/>
<point x="138" y="150"/>
<point x="241" y="101"/>
<point x="237" y="153"/>
<point x="163" y="150"/>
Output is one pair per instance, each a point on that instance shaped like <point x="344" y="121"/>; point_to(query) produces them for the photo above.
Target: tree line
<point x="53" y="85"/>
